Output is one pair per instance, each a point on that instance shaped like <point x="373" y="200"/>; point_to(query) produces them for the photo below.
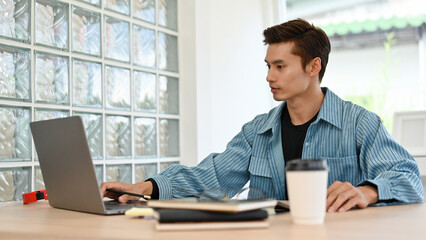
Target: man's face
<point x="286" y="77"/>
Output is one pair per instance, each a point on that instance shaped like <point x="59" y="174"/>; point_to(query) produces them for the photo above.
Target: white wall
<point x="187" y="82"/>
<point x="230" y="69"/>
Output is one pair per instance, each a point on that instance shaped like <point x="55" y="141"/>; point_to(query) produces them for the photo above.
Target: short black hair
<point x="309" y="41"/>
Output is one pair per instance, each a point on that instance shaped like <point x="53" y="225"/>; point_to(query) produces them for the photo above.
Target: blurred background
<point x="377" y="58"/>
<point x="378" y="51"/>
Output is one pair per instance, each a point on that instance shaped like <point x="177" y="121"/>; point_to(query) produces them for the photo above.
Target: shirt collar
<point x="273" y="119"/>
<point x="331" y="112"/>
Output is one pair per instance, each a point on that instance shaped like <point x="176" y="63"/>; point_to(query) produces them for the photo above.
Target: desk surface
<point x="40" y="221"/>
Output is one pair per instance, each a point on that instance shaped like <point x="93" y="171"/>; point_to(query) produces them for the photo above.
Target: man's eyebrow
<point x="276" y="61"/>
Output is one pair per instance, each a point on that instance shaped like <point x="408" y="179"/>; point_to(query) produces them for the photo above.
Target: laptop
<point x="67" y="167"/>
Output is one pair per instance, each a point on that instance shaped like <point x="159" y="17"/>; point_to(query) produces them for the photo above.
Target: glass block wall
<point x="112" y="62"/>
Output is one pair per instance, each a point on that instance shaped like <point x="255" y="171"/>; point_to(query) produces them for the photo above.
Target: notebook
<point x="67" y="168"/>
<point x="232" y="205"/>
<point x="183" y="219"/>
<point x="187" y="215"/>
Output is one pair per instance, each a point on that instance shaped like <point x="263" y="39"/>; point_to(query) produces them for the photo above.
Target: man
<point x="366" y="166"/>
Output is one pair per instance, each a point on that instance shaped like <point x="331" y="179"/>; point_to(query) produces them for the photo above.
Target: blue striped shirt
<point x="356" y="145"/>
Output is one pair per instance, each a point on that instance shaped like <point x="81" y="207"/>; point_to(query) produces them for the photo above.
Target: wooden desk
<point x="40" y="221"/>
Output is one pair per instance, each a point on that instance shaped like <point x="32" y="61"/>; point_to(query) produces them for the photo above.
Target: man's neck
<point x="303" y="108"/>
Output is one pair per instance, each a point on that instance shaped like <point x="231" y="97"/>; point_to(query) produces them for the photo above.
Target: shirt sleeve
<point x="227" y="170"/>
<point x="386" y="164"/>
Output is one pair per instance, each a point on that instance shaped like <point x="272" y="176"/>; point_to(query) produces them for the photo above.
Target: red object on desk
<point x="34" y="196"/>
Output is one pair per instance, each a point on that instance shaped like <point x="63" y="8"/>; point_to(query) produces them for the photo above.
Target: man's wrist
<point x="370" y="192"/>
<point x="145" y="188"/>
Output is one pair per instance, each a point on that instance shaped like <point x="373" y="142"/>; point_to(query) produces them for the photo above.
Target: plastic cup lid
<point x="306" y="165"/>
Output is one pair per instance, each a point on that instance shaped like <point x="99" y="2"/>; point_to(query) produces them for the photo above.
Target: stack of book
<point x="192" y="214"/>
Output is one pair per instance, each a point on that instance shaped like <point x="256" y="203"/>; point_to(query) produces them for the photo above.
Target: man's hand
<point x="343" y="196"/>
<point x="142" y="188"/>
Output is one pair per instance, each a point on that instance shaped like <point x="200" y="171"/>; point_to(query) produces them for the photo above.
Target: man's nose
<point x="269" y="77"/>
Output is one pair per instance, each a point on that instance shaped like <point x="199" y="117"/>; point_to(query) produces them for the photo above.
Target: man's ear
<point x="315" y="66"/>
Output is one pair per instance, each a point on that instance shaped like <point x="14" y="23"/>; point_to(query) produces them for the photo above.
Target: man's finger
<point x="333" y="193"/>
<point x="342" y="198"/>
<point x="333" y="187"/>
<point x="355" y="200"/>
<point x="112" y="185"/>
<point x="349" y="204"/>
<point x="125" y="198"/>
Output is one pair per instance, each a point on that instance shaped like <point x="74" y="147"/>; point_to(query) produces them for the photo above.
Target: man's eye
<point x="268" y="66"/>
<point x="280" y="66"/>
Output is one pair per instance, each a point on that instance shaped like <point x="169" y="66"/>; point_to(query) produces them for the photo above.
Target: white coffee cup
<point x="307" y="190"/>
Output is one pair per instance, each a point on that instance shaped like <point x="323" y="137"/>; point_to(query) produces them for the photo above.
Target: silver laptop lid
<point x="66" y="164"/>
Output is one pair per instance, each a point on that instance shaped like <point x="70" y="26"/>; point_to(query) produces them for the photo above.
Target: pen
<point x="146" y="197"/>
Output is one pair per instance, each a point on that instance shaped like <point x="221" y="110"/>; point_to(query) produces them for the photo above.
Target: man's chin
<point x="278" y="98"/>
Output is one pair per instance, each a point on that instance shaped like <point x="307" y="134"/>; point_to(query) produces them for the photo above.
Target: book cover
<point x="184" y="215"/>
<point x="186" y="226"/>
<point x="221" y="206"/>
<point x="282" y="206"/>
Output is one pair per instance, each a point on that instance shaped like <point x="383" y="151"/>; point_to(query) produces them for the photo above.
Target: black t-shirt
<point x="293" y="136"/>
